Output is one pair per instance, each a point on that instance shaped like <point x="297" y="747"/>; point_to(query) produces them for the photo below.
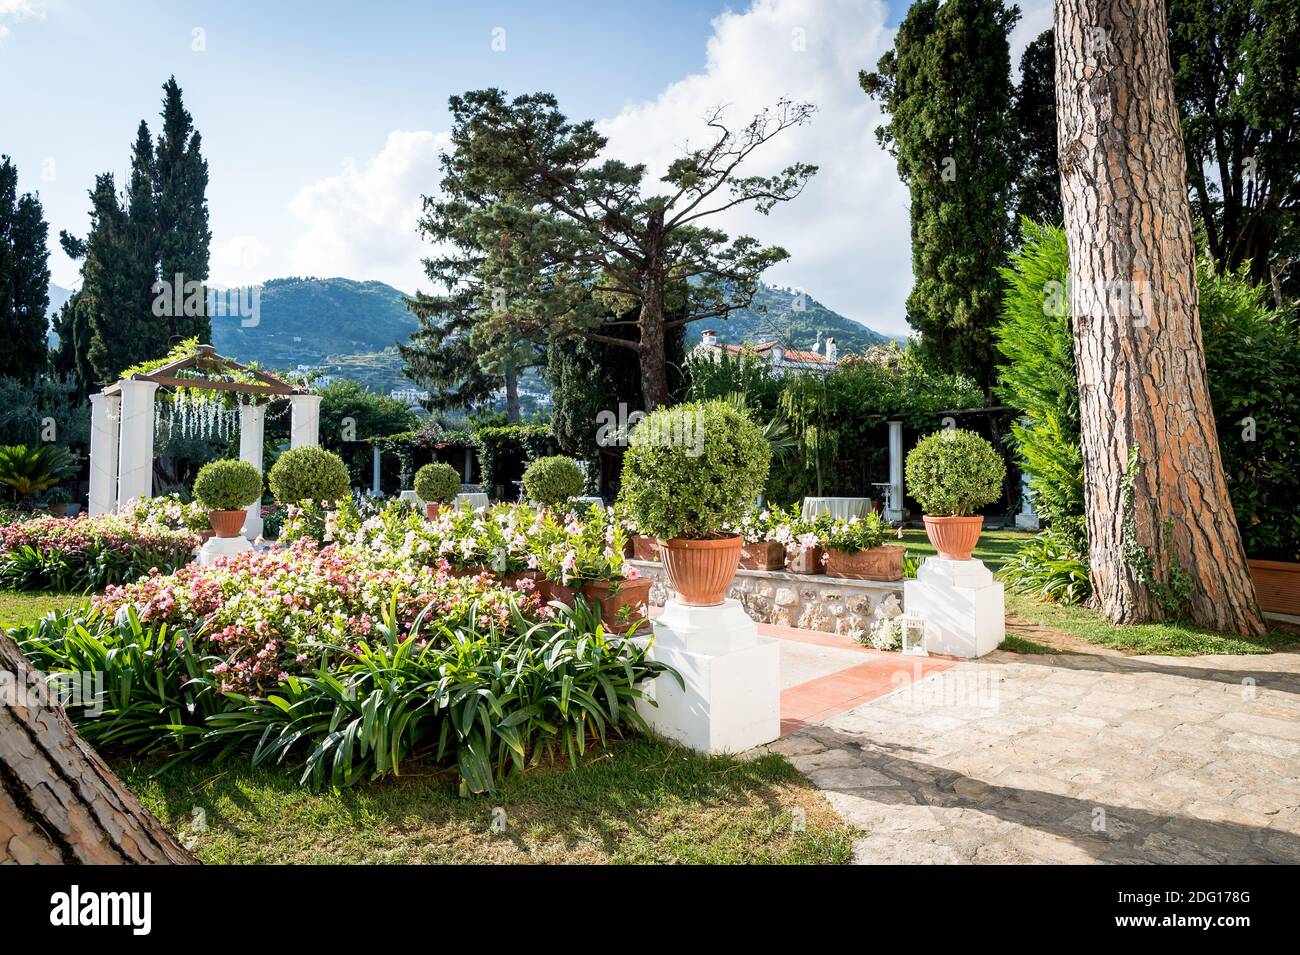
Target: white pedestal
<point x="962" y="605"/>
<point x="222" y="547"/>
<point x="732" y="699"/>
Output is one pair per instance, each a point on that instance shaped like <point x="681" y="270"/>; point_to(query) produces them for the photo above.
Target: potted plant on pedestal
<point x="856" y="548"/>
<point x="952" y="473"/>
<point x="553" y="481"/>
<point x="692" y="471"/>
<point x="437" y="485"/>
<point x="226" y="488"/>
<point x="56" y="499"/>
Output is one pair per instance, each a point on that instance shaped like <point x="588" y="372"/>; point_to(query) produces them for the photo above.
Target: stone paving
<point x="1070" y="758"/>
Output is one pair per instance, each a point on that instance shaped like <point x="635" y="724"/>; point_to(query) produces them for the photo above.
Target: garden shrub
<point x="228" y="485"/>
<point x="693" y="470"/>
<point x="953" y="473"/>
<point x="437" y="483"/>
<point x="504" y="451"/>
<point x="166" y="510"/>
<point x="80" y="554"/>
<point x="856" y="534"/>
<point x="1050" y="566"/>
<point x="309" y="473"/>
<point x="553" y="480"/>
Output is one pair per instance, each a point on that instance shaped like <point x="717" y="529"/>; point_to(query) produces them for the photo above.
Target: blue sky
<point x="322" y="121"/>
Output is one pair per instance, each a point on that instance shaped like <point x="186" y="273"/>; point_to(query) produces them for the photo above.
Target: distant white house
<point x="783" y="360"/>
<point x="412" y="396"/>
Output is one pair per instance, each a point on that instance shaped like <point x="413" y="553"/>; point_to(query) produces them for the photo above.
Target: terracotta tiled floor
<point x="848" y="675"/>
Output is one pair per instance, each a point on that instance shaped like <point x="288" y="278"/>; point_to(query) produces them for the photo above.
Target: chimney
<point x="710" y="337"/>
<point x="831" y="349"/>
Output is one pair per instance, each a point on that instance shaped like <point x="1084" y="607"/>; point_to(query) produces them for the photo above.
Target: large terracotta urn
<point x="227" y="524"/>
<point x="701" y="570"/>
<point x="954" y="537"/>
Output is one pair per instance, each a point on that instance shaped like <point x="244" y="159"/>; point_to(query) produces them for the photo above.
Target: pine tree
<point x="946" y="88"/>
<point x="181" y="182"/>
<point x="24" y="278"/>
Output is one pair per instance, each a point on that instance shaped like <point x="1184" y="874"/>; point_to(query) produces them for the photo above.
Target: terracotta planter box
<point x="764" y="555"/>
<point x="808" y="560"/>
<point x="612" y="596"/>
<point x="550" y="590"/>
<point x="510" y="580"/>
<point x="877" y="563"/>
<point x="1277" y="582"/>
<point x="642" y="547"/>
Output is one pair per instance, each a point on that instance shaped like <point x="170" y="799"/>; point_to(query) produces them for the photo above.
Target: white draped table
<point x="840" y="508"/>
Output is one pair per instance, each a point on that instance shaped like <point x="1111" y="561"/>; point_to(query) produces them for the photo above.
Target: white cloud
<point x="239" y="260"/>
<point x="361" y="223"/>
<point x="18" y="10"/>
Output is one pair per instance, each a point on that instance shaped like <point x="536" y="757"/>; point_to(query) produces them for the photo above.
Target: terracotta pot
<point x="764" y="555"/>
<point x="875" y="563"/>
<point x="954" y="537"/>
<point x="227" y="523"/>
<point x="1277" y="583"/>
<point x="612" y="596"/>
<point x="701" y="570"/>
<point x="808" y="560"/>
<point x="642" y="547"/>
<point x="431" y="511"/>
<point x="58" y="510"/>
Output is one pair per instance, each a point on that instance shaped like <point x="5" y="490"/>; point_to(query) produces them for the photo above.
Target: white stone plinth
<point x="252" y="427"/>
<point x="222" y="547"/>
<point x="962" y="605"/>
<point x="732" y="698"/>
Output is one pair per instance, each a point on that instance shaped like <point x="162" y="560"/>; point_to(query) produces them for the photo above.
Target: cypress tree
<point x="946" y="90"/>
<point x="181" y="188"/>
<point x="24" y="278"/>
<point x="1038" y="187"/>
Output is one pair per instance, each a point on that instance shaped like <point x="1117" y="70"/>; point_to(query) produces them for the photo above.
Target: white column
<point x="135" y="448"/>
<point x="252" y="425"/>
<point x="305" y="426"/>
<point x="374" y="465"/>
<point x="104" y="415"/>
<point x="894" y="506"/>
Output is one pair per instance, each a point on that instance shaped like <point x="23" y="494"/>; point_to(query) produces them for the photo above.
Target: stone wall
<point x="808" y="601"/>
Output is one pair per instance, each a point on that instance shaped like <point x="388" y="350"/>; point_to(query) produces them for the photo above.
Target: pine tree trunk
<point x="1137" y="336"/>
<point x="512" y="392"/>
<point x="654" y="363"/>
<point x="59" y="802"/>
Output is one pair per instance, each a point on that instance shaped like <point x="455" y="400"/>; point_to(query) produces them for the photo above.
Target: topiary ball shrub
<point x="437" y="483"/>
<point x="309" y="473"/>
<point x="693" y="470"/>
<point x="227" y="485"/>
<point x="953" y="472"/>
<point x="553" y="480"/>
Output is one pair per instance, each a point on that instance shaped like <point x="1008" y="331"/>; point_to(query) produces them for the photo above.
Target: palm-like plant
<point x="32" y="471"/>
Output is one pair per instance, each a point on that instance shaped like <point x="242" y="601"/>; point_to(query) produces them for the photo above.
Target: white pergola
<point x="122" y="425"/>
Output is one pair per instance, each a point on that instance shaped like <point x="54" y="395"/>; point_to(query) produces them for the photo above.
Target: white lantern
<point x="913" y="637"/>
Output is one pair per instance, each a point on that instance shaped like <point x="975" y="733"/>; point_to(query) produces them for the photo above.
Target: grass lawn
<point x="19" y="608"/>
<point x="1154" y="638"/>
<point x="638" y="801"/>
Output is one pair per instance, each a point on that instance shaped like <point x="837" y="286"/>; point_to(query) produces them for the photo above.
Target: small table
<point x="473" y="500"/>
<point x="840" y="508"/>
<point x="588" y="500"/>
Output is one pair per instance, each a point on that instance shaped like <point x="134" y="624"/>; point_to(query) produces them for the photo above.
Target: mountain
<point x="58" y="298"/>
<point x="789" y="315"/>
<point x="350" y="329"/>
<point x="304" y="321"/>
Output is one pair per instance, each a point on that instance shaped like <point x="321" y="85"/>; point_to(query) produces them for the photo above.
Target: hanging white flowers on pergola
<point x="204" y="393"/>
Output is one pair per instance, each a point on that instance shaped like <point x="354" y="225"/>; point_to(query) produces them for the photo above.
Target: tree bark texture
<point x="1137" y="336"/>
<point x="59" y="801"/>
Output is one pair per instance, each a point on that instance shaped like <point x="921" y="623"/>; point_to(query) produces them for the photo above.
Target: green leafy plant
<point x="857" y="534"/>
<point x="1049" y="566"/>
<point x="693" y="470"/>
<point x="228" y="485"/>
<point x="309" y="473"/>
<point x="437" y="483"/>
<point x="553" y="480"/>
<point x="954" y="472"/>
<point x="31" y="471"/>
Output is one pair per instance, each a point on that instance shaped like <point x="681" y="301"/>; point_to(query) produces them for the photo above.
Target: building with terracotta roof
<point x="782" y="359"/>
